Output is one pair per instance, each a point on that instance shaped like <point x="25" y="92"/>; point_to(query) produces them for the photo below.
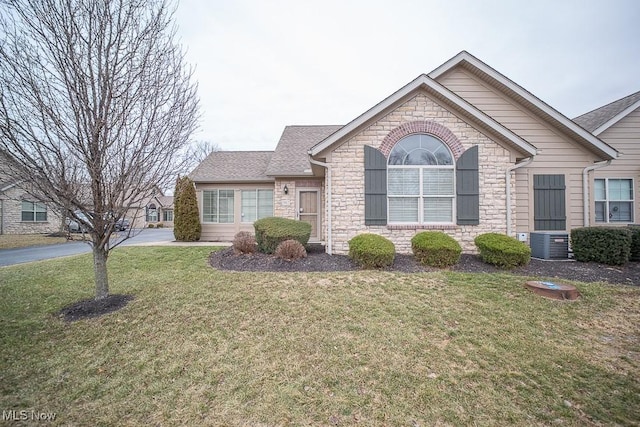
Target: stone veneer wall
<point x="347" y="162"/>
<point x="12" y="216"/>
<point x="286" y="205"/>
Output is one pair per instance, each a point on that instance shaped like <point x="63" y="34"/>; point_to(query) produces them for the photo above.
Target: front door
<point x="309" y="210"/>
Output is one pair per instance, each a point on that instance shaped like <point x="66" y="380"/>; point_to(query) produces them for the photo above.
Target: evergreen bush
<point x="272" y="231"/>
<point x="372" y="251"/>
<point x="502" y="251"/>
<point x="607" y="245"/>
<point x="635" y="243"/>
<point x="436" y="249"/>
<point x="186" y="219"/>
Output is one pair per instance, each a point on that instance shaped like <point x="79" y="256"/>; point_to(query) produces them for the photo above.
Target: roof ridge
<point x="310" y="126"/>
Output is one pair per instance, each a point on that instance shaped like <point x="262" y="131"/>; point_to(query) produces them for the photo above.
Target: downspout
<point x="510" y="169"/>
<point x="585" y="188"/>
<point x="328" y="200"/>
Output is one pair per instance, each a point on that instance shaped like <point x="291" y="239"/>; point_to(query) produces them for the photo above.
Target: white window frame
<point x="607" y="200"/>
<point x="421" y="196"/>
<point x="165" y="215"/>
<point x="217" y="213"/>
<point x="33" y="211"/>
<point x="256" y="191"/>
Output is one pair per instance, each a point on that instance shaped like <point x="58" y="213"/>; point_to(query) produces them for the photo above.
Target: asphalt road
<point x="37" y="253"/>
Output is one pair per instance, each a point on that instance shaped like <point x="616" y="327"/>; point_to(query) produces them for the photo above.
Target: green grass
<point x="199" y="346"/>
<point x="10" y="241"/>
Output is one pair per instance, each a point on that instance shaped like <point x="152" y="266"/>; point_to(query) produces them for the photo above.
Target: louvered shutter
<point x="375" y="187"/>
<point x="549" y="210"/>
<point x="468" y="188"/>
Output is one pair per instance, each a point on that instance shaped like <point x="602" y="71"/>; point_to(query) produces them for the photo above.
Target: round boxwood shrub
<point x="502" y="251"/>
<point x="436" y="249"/>
<point x="272" y="231"/>
<point x="372" y="251"/>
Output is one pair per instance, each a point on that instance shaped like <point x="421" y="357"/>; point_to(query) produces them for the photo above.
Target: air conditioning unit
<point x="549" y="245"/>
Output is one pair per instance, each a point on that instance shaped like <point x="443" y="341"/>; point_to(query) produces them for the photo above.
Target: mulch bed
<point x="319" y="261"/>
<point x="89" y="308"/>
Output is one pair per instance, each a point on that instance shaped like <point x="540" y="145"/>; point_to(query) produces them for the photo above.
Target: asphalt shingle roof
<point x="290" y="157"/>
<point x="596" y="118"/>
<point x="233" y="166"/>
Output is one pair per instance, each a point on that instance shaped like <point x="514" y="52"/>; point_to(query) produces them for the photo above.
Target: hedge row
<point x="437" y="249"/>
<point x="606" y="245"/>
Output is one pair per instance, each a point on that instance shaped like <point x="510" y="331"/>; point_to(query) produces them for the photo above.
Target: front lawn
<point x="10" y="241"/>
<point x="199" y="346"/>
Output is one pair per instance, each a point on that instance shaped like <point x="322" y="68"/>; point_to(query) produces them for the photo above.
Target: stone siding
<point x="347" y="161"/>
<point x="11" y="216"/>
<point x="286" y="205"/>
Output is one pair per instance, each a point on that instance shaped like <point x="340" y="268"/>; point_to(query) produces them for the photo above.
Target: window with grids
<point x="167" y="215"/>
<point x="33" y="212"/>
<point x="256" y="204"/>
<point x="420" y="181"/>
<point x="217" y="206"/>
<point x="613" y="200"/>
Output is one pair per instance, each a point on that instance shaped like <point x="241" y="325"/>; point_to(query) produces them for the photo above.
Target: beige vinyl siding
<point x="624" y="136"/>
<point x="558" y="154"/>
<point x="214" y="232"/>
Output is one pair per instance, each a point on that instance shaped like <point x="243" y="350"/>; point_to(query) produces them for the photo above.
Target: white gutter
<point x="328" y="200"/>
<point x="585" y="188"/>
<point x="507" y="174"/>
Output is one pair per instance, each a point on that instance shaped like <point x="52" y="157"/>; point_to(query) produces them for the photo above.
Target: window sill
<point x="421" y="227"/>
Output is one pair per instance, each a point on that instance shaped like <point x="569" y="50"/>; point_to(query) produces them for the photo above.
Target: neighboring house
<point x="156" y="210"/>
<point x="21" y="213"/>
<point x="463" y="150"/>
<point x="615" y="189"/>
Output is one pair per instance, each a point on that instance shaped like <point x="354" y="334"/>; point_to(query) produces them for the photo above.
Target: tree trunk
<point x="100" y="255"/>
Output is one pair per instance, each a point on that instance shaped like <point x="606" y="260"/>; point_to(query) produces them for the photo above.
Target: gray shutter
<point x="468" y="188"/>
<point x="375" y="187"/>
<point x="549" y="210"/>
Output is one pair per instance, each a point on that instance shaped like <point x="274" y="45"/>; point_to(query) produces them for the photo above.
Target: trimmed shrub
<point x="151" y="225"/>
<point x="186" y="218"/>
<point x="502" y="251"/>
<point x="244" y="243"/>
<point x="635" y="243"/>
<point x="436" y="249"/>
<point x="159" y="225"/>
<point x="607" y="245"/>
<point x="290" y="250"/>
<point x="272" y="231"/>
<point x="372" y="251"/>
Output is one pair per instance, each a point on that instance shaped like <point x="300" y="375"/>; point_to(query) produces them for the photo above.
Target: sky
<point x="263" y="65"/>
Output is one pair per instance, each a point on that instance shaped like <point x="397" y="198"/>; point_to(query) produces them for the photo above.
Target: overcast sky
<point x="262" y="65"/>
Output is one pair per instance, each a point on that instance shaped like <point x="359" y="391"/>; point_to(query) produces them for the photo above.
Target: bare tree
<point x="199" y="151"/>
<point x="96" y="109"/>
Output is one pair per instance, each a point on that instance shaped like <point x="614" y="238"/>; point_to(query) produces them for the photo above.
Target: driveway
<point x="147" y="236"/>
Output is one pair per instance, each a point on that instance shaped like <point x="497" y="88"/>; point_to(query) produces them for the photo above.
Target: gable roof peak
<point x="425" y="82"/>
<point x="602" y="118"/>
<point x="516" y="92"/>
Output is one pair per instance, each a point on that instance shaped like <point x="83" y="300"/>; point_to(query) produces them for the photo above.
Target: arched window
<point x="420" y="181"/>
<point x="152" y="213"/>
